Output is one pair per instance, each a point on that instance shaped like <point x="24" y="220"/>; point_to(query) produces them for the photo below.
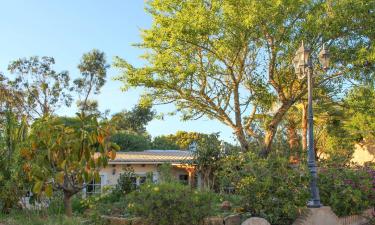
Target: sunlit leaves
<point x="64" y="154"/>
<point x="38" y="187"/>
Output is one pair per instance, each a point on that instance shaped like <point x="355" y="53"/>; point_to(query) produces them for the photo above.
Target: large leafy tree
<point x="134" y="120"/>
<point x="231" y="60"/>
<point x="179" y="140"/>
<point x="65" y="153"/>
<point x="43" y="89"/>
<point x="130" y="141"/>
<point x="65" y="156"/>
<point x="130" y="127"/>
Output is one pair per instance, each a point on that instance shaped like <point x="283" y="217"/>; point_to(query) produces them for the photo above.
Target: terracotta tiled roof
<point x="153" y="156"/>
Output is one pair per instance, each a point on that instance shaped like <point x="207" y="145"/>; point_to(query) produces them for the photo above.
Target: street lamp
<point x="303" y="67"/>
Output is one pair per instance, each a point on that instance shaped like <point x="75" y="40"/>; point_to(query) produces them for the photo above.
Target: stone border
<point x="358" y="219"/>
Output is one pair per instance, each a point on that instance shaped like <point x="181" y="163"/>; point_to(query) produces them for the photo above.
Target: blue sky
<point x="67" y="29"/>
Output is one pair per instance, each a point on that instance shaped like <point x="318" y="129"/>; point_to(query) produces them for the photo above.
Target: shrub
<point x="270" y="188"/>
<point x="125" y="183"/>
<point x="170" y="203"/>
<point x="347" y="191"/>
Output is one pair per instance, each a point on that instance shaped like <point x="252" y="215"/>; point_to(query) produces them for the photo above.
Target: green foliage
<point x="125" y="184"/>
<point x="361" y="112"/>
<point x="93" y="68"/>
<point x="13" y="182"/>
<point x="164" y="142"/>
<point x="181" y="140"/>
<point x="170" y="203"/>
<point x="270" y="188"/>
<point x="26" y="217"/>
<point x="129" y="141"/>
<point x="63" y="157"/>
<point x="231" y="60"/>
<point x="348" y="191"/>
<point x="43" y="89"/>
<point x="165" y="173"/>
<point x="207" y="158"/>
<point x="134" y="120"/>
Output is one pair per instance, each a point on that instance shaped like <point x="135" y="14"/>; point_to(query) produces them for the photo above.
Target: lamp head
<point x="301" y="61"/>
<point x="324" y="57"/>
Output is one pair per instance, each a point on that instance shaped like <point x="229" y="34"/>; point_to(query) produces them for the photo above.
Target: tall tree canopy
<point x="134" y="120"/>
<point x="42" y="89"/>
<point x="93" y="68"/>
<point x="231" y="60"/>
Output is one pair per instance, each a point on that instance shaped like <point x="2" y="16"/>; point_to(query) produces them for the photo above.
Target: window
<point x="134" y="182"/>
<point x="94" y="187"/>
<point x="142" y="180"/>
<point x="184" y="179"/>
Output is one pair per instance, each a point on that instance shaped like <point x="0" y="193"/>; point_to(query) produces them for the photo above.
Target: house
<point x="144" y="163"/>
<point x="364" y="152"/>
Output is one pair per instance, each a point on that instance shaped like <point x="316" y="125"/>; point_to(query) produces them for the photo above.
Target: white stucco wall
<point x="112" y="172"/>
<point x="364" y="153"/>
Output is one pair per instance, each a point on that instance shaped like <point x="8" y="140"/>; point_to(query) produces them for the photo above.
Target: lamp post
<point x="303" y="68"/>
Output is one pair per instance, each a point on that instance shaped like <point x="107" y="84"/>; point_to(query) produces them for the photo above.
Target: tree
<point x="231" y="60"/>
<point x="93" y="68"/>
<point x="207" y="159"/>
<point x="66" y="153"/>
<point x="130" y="127"/>
<point x="134" y="120"/>
<point x="359" y="105"/>
<point x="43" y="89"/>
<point x="66" y="157"/>
<point x="130" y="141"/>
<point x="164" y="142"/>
<point x="181" y="140"/>
<point x="13" y="182"/>
<point x="13" y="133"/>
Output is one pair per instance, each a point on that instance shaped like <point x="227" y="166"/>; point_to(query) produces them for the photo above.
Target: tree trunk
<point x="293" y="140"/>
<point x="304" y="127"/>
<point x="68" y="204"/>
<point x="272" y="127"/>
<point x="242" y="139"/>
<point x="292" y="137"/>
<point x="270" y="134"/>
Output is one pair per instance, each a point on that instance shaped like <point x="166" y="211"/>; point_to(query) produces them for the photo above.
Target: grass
<point x="35" y="218"/>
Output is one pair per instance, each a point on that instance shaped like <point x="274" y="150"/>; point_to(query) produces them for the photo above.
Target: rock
<point x="255" y="221"/>
<point x="232" y="220"/>
<point x="216" y="220"/>
<point x="226" y="205"/>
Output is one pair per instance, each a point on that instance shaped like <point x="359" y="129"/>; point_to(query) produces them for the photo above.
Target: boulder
<point x="226" y="205"/>
<point x="232" y="220"/>
<point x="255" y="221"/>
